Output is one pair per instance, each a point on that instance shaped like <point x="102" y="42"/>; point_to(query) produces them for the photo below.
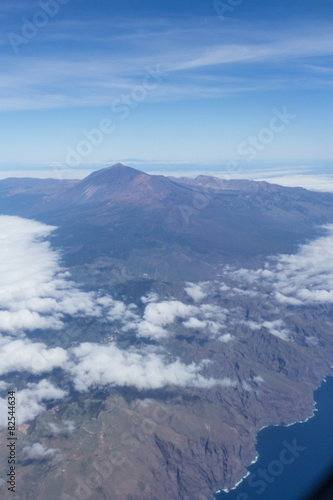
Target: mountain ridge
<point x="119" y="181"/>
<point x="171" y="229"/>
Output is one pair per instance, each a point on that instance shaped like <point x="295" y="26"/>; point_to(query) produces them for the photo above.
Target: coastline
<point x="314" y="411"/>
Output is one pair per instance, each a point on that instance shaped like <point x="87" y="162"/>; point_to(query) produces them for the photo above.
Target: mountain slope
<point x="173" y="228"/>
<point x="120" y="183"/>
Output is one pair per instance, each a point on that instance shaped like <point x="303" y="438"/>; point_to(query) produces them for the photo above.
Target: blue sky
<point x="217" y="80"/>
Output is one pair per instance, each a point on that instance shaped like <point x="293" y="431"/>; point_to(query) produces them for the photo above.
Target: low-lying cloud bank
<point x="34" y="291"/>
<point x="31" y="401"/>
<point x="300" y="279"/>
<point x="317" y="182"/>
<point x="23" y="355"/>
<point x="93" y="365"/>
<point x="97" y="365"/>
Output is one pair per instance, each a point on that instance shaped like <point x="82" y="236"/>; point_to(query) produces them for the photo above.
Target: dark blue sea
<point x="292" y="460"/>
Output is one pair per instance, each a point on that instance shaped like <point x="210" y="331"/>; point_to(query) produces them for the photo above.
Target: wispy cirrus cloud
<point x="200" y="61"/>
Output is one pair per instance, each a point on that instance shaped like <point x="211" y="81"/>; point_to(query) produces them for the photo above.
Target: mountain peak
<point x="111" y="183"/>
<point x="118" y="169"/>
<point x="118" y="165"/>
<point x="121" y="183"/>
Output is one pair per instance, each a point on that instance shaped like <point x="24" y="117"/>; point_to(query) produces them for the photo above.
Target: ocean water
<point x="292" y="460"/>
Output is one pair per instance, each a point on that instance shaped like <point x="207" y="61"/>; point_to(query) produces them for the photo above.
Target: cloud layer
<point x="97" y="365"/>
<point x="38" y="288"/>
<point x="34" y="291"/>
<point x="30" y="401"/>
<point x="303" y="278"/>
<point x="24" y="355"/>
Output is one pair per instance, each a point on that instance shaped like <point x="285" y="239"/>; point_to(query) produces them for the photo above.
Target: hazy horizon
<point x="312" y="175"/>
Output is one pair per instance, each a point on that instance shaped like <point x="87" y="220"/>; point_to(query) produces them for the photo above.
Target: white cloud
<point x="212" y="311"/>
<point x="226" y="338"/>
<point x="299" y="279"/>
<point x="249" y="293"/>
<point x="253" y="325"/>
<point x="199" y="324"/>
<point x="54" y="428"/>
<point x="30" y="401"/>
<point x="276" y="50"/>
<point x="38" y="451"/>
<point x="224" y="288"/>
<point x="246" y="386"/>
<point x="49" y="82"/>
<point x="24" y="355"/>
<point x="305" y="277"/>
<point x="160" y="314"/>
<point x="66" y="426"/>
<point x="318" y="182"/>
<point x="195" y="323"/>
<point x="121" y="311"/>
<point x="150" y="330"/>
<point x="164" y="313"/>
<point x="69" y="425"/>
<point x="117" y="310"/>
<point x="196" y="291"/>
<point x="34" y="293"/>
<point x="151" y="297"/>
<point x="287" y="300"/>
<point x="275" y="328"/>
<point x="308" y="275"/>
<point x="96" y="365"/>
